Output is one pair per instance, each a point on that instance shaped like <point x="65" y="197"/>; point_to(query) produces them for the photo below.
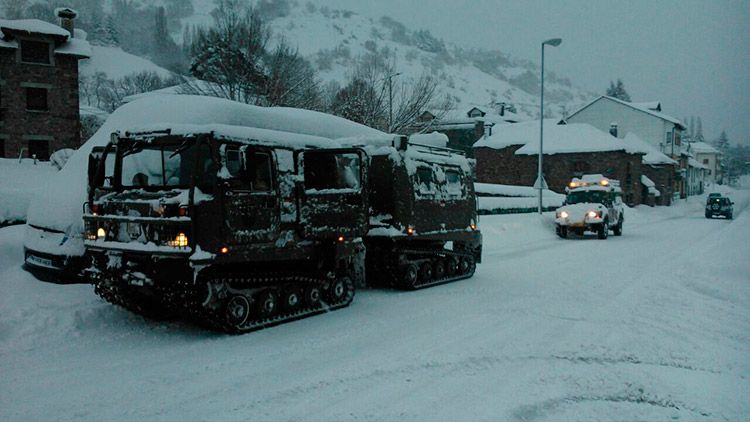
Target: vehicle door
<point x="251" y="198"/>
<point x="333" y="200"/>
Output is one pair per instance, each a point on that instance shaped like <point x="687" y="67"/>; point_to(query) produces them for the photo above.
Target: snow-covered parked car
<point x="594" y="204"/>
<point x="53" y="243"/>
<point x="716" y="204"/>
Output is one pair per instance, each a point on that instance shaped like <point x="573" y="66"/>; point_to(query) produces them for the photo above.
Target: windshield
<point x="156" y="166"/>
<point x="591" y="196"/>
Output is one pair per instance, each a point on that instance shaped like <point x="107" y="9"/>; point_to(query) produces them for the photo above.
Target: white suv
<point x="594" y="203"/>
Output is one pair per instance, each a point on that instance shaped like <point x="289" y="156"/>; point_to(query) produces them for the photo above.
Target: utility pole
<point x="554" y="42"/>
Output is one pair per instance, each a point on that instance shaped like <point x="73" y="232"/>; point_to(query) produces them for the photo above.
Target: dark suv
<point x="719" y="205"/>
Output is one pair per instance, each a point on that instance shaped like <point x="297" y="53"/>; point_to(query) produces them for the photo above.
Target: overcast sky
<point x="693" y="56"/>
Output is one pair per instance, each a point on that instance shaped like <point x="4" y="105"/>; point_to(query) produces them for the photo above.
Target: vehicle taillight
<point x="183" y="212"/>
<point x="95" y="209"/>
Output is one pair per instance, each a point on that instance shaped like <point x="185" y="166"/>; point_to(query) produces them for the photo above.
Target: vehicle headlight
<point x="563" y="214"/>
<point x="101" y="233"/>
<point x="592" y="214"/>
<point x="181" y="241"/>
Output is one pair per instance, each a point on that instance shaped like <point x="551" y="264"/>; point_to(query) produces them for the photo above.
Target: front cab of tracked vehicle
<point x="229" y="220"/>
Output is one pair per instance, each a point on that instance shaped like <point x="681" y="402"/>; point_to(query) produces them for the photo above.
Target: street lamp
<point x="390" y="99"/>
<point x="554" y="42"/>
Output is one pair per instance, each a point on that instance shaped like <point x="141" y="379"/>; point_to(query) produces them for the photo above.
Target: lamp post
<point x="390" y="99"/>
<point x="554" y="42"/>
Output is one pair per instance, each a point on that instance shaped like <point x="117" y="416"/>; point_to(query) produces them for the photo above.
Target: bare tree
<point x="374" y="98"/>
<point x="290" y="79"/>
<point x="228" y="56"/>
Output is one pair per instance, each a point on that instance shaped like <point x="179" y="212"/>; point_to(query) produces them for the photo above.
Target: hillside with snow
<point x="334" y="39"/>
<point x="116" y="63"/>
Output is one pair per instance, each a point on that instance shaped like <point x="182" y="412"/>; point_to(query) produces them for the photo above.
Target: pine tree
<point x="698" y="130"/>
<point x="618" y="91"/>
<point x="722" y="143"/>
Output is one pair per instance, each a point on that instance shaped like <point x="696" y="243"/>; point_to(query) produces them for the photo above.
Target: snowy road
<point x="653" y="325"/>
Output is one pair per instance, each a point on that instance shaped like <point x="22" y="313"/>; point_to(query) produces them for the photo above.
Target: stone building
<point x="39" y="86"/>
<point x="510" y="157"/>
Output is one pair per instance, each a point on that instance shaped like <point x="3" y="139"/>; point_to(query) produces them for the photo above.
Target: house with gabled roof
<point x="39" y="85"/>
<point x="646" y="120"/>
<point x="710" y="157"/>
<point x="509" y="156"/>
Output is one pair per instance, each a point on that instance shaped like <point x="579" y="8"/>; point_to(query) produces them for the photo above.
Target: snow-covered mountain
<point x="334" y="39"/>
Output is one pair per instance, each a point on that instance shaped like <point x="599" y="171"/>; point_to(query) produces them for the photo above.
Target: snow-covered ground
<point x="653" y="325"/>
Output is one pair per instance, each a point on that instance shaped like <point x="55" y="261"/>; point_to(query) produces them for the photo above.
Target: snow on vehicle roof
<point x="653" y="155"/>
<point x="435" y="139"/>
<point x="240" y="134"/>
<point x="59" y="205"/>
<point x="33" y="26"/>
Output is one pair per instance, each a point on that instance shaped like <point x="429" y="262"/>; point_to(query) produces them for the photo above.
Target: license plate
<point x="35" y="260"/>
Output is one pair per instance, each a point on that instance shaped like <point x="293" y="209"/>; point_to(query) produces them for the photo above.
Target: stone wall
<point x="504" y="167"/>
<point x="59" y="125"/>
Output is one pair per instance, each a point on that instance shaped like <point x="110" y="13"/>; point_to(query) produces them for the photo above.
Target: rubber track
<point x="395" y="274"/>
<point x="216" y="319"/>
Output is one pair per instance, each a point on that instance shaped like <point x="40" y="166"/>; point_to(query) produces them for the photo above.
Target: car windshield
<point x="162" y="165"/>
<point x="591" y="196"/>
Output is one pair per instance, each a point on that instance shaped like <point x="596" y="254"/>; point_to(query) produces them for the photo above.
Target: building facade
<point x="39" y="87"/>
<point x="645" y="120"/>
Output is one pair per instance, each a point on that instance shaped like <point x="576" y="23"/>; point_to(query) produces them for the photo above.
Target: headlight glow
<point x="592" y="214"/>
<point x="181" y="241"/>
<point x="101" y="233"/>
<point x="564" y="214"/>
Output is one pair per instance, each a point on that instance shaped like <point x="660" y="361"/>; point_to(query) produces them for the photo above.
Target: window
<point x="39" y="148"/>
<point x="705" y="161"/>
<point x="453" y="184"/>
<point x="2" y="148"/>
<point x="35" y="52"/>
<point x="424" y="181"/>
<point x="36" y="99"/>
<point x="259" y="171"/>
<point x="329" y="170"/>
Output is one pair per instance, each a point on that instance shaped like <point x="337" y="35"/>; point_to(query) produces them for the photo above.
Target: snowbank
<point x="508" y="199"/>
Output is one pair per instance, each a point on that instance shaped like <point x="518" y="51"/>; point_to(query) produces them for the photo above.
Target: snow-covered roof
<point x="651" y="105"/>
<point x="75" y="47"/>
<point x="558" y="139"/>
<point x="703" y="148"/>
<point x="435" y="139"/>
<point x="648" y="183"/>
<point x="78" y="47"/>
<point x="635" y="106"/>
<point x="653" y="156"/>
<point x="33" y="26"/>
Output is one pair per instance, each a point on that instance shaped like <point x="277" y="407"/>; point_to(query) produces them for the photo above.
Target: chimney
<point x="613" y="129"/>
<point x="66" y="16"/>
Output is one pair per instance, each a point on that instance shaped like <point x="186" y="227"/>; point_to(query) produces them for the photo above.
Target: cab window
<point x="258" y="168"/>
<point x="453" y="184"/>
<point x="425" y="183"/>
<point x="325" y="171"/>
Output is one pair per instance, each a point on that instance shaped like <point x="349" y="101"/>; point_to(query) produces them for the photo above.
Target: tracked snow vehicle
<point x="423" y="227"/>
<point x="240" y="228"/>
